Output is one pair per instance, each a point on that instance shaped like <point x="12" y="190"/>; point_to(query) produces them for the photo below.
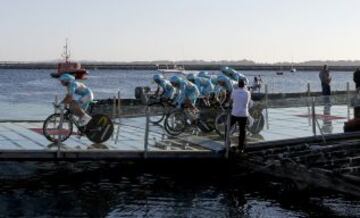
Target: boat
<point x="280" y="71"/>
<point x="73" y="68"/>
<point x="174" y="70"/>
<point x="292" y="69"/>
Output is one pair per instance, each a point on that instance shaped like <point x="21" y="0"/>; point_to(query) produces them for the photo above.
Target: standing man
<point x="325" y="79"/>
<point x="240" y="110"/>
<point x="356" y="79"/>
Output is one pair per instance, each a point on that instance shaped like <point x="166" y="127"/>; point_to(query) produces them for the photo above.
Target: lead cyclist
<point x="78" y="97"/>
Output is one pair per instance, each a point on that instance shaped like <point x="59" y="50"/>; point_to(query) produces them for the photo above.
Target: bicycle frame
<point x="70" y="116"/>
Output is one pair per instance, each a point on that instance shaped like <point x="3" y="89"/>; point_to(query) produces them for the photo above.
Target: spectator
<point x="325" y="79"/>
<point x="356" y="79"/>
<point x="240" y="111"/>
<point x="256" y="83"/>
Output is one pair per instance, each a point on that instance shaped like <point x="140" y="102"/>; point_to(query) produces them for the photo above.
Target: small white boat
<point x="293" y="70"/>
<point x="175" y="69"/>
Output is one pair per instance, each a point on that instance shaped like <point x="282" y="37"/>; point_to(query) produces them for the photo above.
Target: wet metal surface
<point x="284" y="123"/>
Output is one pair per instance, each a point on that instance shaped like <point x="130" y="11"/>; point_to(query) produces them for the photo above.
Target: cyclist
<point x="234" y="75"/>
<point x="168" y="91"/>
<point x="224" y="86"/>
<point x="78" y="97"/>
<point x="204" y="85"/>
<point x="206" y="75"/>
<point x="188" y="92"/>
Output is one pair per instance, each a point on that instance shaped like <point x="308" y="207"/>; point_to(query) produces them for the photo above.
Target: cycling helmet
<point x="190" y="77"/>
<point x="221" y="78"/>
<point x="203" y="74"/>
<point x="175" y="79"/>
<point x="66" y="78"/>
<point x="228" y="71"/>
<point x="158" y="77"/>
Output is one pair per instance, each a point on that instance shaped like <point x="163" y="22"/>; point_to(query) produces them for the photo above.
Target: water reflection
<point x="113" y="190"/>
<point x="327" y="127"/>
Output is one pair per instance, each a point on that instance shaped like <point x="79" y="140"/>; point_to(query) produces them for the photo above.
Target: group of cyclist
<point x="186" y="90"/>
<point x="183" y="91"/>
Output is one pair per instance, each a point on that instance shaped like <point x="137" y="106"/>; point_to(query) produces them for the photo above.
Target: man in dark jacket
<point x="356" y="79"/>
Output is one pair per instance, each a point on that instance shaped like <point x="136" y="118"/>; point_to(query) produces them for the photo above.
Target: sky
<point x="145" y="30"/>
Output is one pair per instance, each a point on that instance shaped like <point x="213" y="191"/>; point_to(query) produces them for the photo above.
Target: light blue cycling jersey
<point x="80" y="93"/>
<point x="234" y="75"/>
<point x="168" y="89"/>
<point x="204" y="85"/>
<point x="187" y="90"/>
<point x="228" y="85"/>
<point x="205" y="74"/>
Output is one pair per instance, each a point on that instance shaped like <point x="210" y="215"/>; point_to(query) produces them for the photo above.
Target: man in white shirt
<point x="240" y="110"/>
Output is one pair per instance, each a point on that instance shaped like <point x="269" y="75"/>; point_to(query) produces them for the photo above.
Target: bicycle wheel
<point x="220" y="125"/>
<point x="175" y="122"/>
<point x="157" y="112"/>
<point x="99" y="129"/>
<point x="257" y="124"/>
<point x="54" y="132"/>
<point x="206" y="122"/>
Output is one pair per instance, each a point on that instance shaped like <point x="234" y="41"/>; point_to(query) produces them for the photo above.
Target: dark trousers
<point x="357" y="85"/>
<point x="325" y="89"/>
<point x="242" y="133"/>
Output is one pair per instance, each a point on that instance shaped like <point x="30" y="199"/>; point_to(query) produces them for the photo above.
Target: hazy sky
<point x="130" y="30"/>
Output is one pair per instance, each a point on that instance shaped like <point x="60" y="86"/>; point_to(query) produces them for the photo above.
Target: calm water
<point x="112" y="190"/>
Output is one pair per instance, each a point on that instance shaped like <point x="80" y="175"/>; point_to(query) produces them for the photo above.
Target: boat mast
<point x="66" y="53"/>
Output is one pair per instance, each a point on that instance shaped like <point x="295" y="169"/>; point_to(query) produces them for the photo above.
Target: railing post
<point x="308" y="94"/>
<point x="56" y="103"/>
<point x="60" y="129"/>
<point x="227" y="134"/>
<point x="313" y="116"/>
<point x="266" y="106"/>
<point x="146" y="138"/>
<point x="118" y="118"/>
<point x="113" y="115"/>
<point x="348" y="99"/>
<point x="308" y="90"/>
<point x="55" y="111"/>
<point x="119" y="105"/>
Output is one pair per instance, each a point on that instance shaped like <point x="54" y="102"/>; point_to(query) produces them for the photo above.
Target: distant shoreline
<point x="91" y="66"/>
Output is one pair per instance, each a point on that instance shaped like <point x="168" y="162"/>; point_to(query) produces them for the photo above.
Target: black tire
<point x="206" y="122"/>
<point x="156" y="112"/>
<point x="99" y="129"/>
<point x="175" y="122"/>
<point x="258" y="124"/>
<point x="220" y="125"/>
<point x="53" y="134"/>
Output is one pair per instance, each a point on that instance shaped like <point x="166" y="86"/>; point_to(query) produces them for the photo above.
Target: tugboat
<point x="73" y="68"/>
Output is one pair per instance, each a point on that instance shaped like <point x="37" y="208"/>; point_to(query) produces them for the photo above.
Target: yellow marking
<point x="102" y="121"/>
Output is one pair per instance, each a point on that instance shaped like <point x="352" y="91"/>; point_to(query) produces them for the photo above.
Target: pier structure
<point x="302" y="142"/>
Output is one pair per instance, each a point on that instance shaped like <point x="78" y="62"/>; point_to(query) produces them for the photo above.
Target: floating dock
<point x="286" y="148"/>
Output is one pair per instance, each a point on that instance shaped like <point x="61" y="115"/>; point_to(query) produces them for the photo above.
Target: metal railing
<point x="281" y="109"/>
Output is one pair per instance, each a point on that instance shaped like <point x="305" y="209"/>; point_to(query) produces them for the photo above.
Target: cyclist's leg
<point x="76" y="109"/>
<point x="79" y="108"/>
<point x="191" y="100"/>
<point x="85" y="101"/>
